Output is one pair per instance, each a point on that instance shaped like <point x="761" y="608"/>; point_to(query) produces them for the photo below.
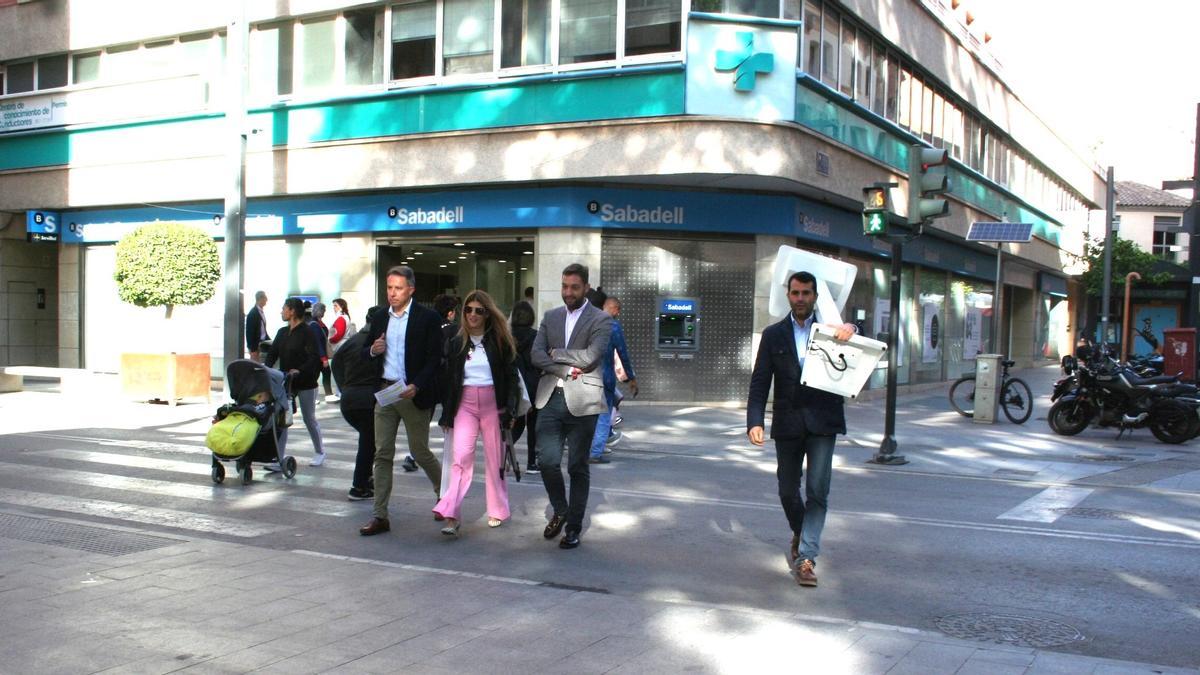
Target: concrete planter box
<point x="168" y="377"/>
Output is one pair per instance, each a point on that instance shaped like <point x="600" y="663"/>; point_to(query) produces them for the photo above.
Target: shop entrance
<point x="457" y="267"/>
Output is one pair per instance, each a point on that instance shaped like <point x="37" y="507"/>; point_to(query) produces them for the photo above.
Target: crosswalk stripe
<point x="233" y="496"/>
<point x="1047" y="506"/>
<point x="183" y="520"/>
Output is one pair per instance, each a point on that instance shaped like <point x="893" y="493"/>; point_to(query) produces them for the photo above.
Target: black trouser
<point x="363" y="421"/>
<point x="327" y="380"/>
<point x="556" y="426"/>
<point x="529" y="420"/>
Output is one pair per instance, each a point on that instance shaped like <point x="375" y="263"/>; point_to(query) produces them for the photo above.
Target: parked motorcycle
<point x="1109" y="395"/>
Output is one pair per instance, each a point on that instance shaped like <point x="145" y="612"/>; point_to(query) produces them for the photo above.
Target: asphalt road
<point x="1085" y="545"/>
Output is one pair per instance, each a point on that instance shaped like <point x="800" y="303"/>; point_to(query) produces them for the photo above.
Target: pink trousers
<point x="476" y="412"/>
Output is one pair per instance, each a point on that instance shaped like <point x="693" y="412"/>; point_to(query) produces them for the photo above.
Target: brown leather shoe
<point x="376" y="526"/>
<point x="794" y="552"/>
<point x="554" y="527"/>
<point x="805" y="573"/>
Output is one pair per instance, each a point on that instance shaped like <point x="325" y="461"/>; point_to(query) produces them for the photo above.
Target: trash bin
<point x="1179" y="352"/>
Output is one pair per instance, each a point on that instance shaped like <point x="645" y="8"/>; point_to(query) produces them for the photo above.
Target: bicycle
<point x="1015" y="396"/>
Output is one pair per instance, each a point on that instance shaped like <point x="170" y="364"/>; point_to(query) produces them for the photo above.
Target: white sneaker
<point x="317" y="460"/>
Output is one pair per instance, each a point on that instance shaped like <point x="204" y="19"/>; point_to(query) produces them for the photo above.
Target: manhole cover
<point x="1098" y="514"/>
<point x="79" y="537"/>
<point x="1105" y="458"/>
<point x="1008" y="629"/>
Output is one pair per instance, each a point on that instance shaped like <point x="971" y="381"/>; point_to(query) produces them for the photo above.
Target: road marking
<point x="232" y="495"/>
<point x="182" y="520"/>
<point x="1047" y="506"/>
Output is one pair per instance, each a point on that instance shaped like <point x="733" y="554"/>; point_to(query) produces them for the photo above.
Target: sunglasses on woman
<point x="477" y="311"/>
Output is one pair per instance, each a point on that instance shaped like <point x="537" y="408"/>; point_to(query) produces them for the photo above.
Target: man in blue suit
<point x="805" y="423"/>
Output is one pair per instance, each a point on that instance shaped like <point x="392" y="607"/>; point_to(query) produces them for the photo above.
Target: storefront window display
<point x="930" y="326"/>
<point x="970" y="324"/>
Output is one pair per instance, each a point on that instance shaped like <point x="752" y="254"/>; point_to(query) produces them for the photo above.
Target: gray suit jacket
<point x="589" y="342"/>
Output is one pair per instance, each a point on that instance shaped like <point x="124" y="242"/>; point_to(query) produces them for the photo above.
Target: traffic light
<point x="875" y="211"/>
<point x="927" y="181"/>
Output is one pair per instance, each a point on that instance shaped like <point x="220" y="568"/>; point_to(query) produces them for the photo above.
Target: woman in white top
<point x="481" y="395"/>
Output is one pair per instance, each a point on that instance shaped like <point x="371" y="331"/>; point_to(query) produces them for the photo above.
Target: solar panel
<point x="1000" y="232"/>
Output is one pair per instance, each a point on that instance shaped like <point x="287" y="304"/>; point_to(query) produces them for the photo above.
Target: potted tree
<point x="166" y="264"/>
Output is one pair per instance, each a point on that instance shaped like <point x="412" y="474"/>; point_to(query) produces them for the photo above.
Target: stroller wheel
<point x="247" y="475"/>
<point x="218" y="473"/>
<point x="289" y="467"/>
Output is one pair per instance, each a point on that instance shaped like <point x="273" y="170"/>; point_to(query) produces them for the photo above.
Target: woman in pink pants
<point x="482" y="395"/>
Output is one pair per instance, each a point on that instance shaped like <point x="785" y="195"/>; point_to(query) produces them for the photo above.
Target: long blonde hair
<point x="494" y="325"/>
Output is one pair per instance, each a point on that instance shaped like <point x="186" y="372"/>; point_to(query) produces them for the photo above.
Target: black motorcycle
<point x="1111" y="395"/>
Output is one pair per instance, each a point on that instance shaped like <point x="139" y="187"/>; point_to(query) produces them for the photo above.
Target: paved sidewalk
<point x="85" y="597"/>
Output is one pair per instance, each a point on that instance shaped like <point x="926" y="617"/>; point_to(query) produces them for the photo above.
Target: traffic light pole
<point x="887" y="449"/>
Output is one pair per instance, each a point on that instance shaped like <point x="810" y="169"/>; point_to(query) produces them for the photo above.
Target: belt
<point x="388" y="383"/>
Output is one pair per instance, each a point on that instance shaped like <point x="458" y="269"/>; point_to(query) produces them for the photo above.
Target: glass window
<point x="892" y="106"/>
<point x="414" y="39"/>
<point x="863" y="73"/>
<point x="317" y="53"/>
<point x="52" y="71"/>
<point x="904" y="97"/>
<point x="1" y="79"/>
<point x="158" y="59"/>
<point x="954" y="130"/>
<point x="811" y="43"/>
<point x="765" y="8"/>
<point x="879" y="86"/>
<point x="918" y="94"/>
<point x="939" y="107"/>
<point x="791" y="10"/>
<point x="524" y="33"/>
<point x="195" y="55"/>
<point x="587" y="31"/>
<point x="121" y="63"/>
<point x="86" y="68"/>
<point x="831" y="23"/>
<point x="651" y="26"/>
<point x="467" y="36"/>
<point x="363" y="47"/>
<point x="1163" y="242"/>
<point x="271" y="60"/>
<point x="20" y="77"/>
<point x="846" y="78"/>
<point x="927" y="114"/>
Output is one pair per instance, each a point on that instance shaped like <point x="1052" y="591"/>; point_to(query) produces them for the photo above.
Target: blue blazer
<point x="798" y="410"/>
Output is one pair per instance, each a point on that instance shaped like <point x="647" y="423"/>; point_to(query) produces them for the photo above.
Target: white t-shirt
<point x="477" y="372"/>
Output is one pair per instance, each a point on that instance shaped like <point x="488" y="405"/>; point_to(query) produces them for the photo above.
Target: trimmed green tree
<point x="167" y="264"/>
<point x="1126" y="257"/>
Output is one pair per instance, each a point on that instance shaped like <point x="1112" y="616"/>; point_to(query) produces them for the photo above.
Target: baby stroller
<point x="263" y="394"/>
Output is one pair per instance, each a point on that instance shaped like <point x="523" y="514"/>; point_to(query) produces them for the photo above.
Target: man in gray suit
<point x="569" y="350"/>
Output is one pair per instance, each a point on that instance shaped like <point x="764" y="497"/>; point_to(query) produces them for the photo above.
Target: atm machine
<point x="677" y="329"/>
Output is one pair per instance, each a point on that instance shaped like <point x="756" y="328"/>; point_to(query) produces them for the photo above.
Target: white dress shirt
<point x="477" y="372"/>
<point x="801" y="332"/>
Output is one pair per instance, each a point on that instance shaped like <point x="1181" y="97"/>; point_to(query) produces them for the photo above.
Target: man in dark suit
<point x="256" y="326"/>
<point x="805" y="423"/>
<point x="569" y="349"/>
<point x="406" y="342"/>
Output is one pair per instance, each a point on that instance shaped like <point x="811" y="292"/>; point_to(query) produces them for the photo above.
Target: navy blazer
<point x="798" y="410"/>
<point x="422" y="350"/>
<point x="256" y="327"/>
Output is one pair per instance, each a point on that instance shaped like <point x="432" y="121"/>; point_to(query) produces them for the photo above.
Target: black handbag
<point x="510" y="457"/>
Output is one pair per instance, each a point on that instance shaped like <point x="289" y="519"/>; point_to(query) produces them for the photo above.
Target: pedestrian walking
<point x="805" y="423"/>
<point x="568" y="349"/>
<point x="318" y="322"/>
<point x="407" y="340"/>
<point x="523" y="335"/>
<point x="604" y="435"/>
<point x="357" y="378"/>
<point x="256" y="327"/>
<point x="341" y="329"/>
<point x="295" y="349"/>
<point x="481" y="398"/>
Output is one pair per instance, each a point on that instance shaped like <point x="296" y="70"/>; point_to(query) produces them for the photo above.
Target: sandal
<point x="451" y="530"/>
<point x="494" y="522"/>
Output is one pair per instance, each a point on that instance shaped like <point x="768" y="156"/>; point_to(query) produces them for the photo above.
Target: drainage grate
<point x="1008" y="629"/>
<point x="1097" y="514"/>
<point x="1106" y="458"/>
<point x="79" y="537"/>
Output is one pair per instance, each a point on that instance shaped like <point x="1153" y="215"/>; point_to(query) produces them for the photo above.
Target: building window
<point x="20" y="77"/>
<point x="525" y="33"/>
<point x="1164" y="245"/>
<point x="879" y="86"/>
<point x="846" y="79"/>
<point x="587" y="31"/>
<point x="831" y="28"/>
<point x="763" y="8"/>
<point x="467" y="28"/>
<point x="414" y="39"/>
<point x="271" y="60"/>
<point x="651" y="26"/>
<point x="316" y="54"/>
<point x="363" y="48"/>
<point x="52" y="72"/>
<point x="812" y="38"/>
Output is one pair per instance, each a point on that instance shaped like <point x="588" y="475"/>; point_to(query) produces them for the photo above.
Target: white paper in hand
<point x="390" y="394"/>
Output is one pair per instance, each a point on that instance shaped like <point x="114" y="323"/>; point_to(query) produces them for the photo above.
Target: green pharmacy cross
<point x="745" y="62"/>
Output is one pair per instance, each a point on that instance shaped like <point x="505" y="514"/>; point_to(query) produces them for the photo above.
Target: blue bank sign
<point x="676" y="306"/>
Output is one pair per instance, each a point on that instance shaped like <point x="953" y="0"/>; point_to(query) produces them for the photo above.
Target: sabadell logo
<point x="631" y="214"/>
<point x="430" y="216"/>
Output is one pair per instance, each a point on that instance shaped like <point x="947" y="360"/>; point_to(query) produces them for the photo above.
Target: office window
<point x="524" y="33"/>
<point x="846" y="76"/>
<point x="467" y="36"/>
<point x="317" y="54"/>
<point x="587" y="31"/>
<point x="271" y="60"/>
<point x="831" y="30"/>
<point x="863" y="72"/>
<point x="764" y="8"/>
<point x="52" y="71"/>
<point x="904" y="98"/>
<point x="954" y="131"/>
<point x="414" y="39"/>
<point x="792" y="9"/>
<point x="879" y="85"/>
<point x="651" y="26"/>
<point x="20" y="77"/>
<point x="86" y="68"/>
<point x="927" y="113"/>
<point x="811" y="40"/>
<point x="363" y="49"/>
<point x="892" y="106"/>
<point x="937" y="130"/>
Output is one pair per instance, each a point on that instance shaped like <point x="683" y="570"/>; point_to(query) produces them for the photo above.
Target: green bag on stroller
<point x="232" y="436"/>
